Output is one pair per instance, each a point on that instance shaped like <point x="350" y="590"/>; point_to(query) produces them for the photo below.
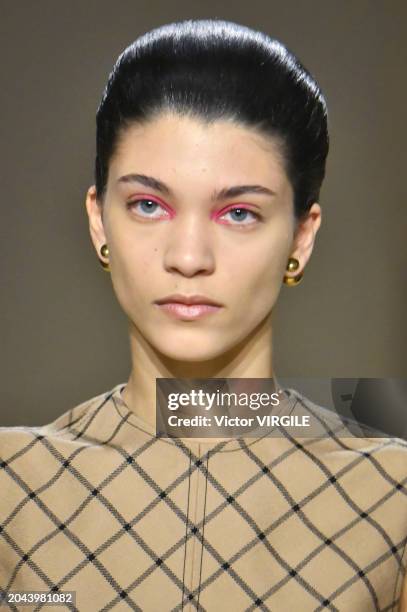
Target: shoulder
<point x="341" y="434"/>
<point x="33" y="458"/>
<point x="25" y="440"/>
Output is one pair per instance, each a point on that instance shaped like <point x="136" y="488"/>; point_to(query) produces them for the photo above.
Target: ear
<point x="304" y="237"/>
<point x="95" y="213"/>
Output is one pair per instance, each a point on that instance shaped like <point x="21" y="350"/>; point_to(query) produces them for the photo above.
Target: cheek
<point x="131" y="265"/>
<point x="258" y="270"/>
<point x="134" y="257"/>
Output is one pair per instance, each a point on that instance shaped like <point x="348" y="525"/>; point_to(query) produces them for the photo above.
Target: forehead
<point x="183" y="146"/>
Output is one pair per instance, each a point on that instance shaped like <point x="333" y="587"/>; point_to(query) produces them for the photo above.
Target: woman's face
<point x="172" y="228"/>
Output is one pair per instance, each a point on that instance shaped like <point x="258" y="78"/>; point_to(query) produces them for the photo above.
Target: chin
<point x="202" y="347"/>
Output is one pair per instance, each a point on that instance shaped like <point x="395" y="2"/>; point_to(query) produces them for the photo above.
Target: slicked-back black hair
<point x="214" y="69"/>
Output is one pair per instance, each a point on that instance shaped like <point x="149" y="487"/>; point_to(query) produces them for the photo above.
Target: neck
<point x="252" y="358"/>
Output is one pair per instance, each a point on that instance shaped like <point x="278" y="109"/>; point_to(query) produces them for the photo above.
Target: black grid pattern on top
<point x="192" y="462"/>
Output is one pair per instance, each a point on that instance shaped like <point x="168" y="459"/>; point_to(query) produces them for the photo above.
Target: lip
<point x="188" y="312"/>
<point x="188" y="307"/>
<point x="188" y="300"/>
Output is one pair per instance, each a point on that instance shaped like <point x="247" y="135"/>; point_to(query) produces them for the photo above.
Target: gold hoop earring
<point x="292" y="281"/>
<point x="104" y="251"/>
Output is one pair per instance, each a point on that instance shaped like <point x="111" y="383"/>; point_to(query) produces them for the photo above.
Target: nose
<point x="189" y="249"/>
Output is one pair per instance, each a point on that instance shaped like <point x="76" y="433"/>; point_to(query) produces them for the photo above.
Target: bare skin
<point x="185" y="241"/>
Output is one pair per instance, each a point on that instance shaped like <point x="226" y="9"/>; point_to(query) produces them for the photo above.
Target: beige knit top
<point x="96" y="503"/>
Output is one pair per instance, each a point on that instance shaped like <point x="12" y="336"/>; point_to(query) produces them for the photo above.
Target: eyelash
<point x="131" y="205"/>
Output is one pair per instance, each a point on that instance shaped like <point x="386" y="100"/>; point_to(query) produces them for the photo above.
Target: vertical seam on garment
<point x="399" y="573"/>
<point x="186" y="531"/>
<point x="203" y="527"/>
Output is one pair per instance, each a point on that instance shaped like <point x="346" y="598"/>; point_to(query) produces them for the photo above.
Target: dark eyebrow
<point x="223" y="194"/>
<point x="147" y="181"/>
<point x="233" y="192"/>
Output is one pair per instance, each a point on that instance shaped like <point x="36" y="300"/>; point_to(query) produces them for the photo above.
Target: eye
<point x="148" y="208"/>
<point x="240" y="215"/>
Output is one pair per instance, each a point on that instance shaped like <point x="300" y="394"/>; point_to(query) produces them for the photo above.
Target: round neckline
<point x="227" y="445"/>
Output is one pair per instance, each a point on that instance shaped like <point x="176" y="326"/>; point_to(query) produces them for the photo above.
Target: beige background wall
<point x="63" y="336"/>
